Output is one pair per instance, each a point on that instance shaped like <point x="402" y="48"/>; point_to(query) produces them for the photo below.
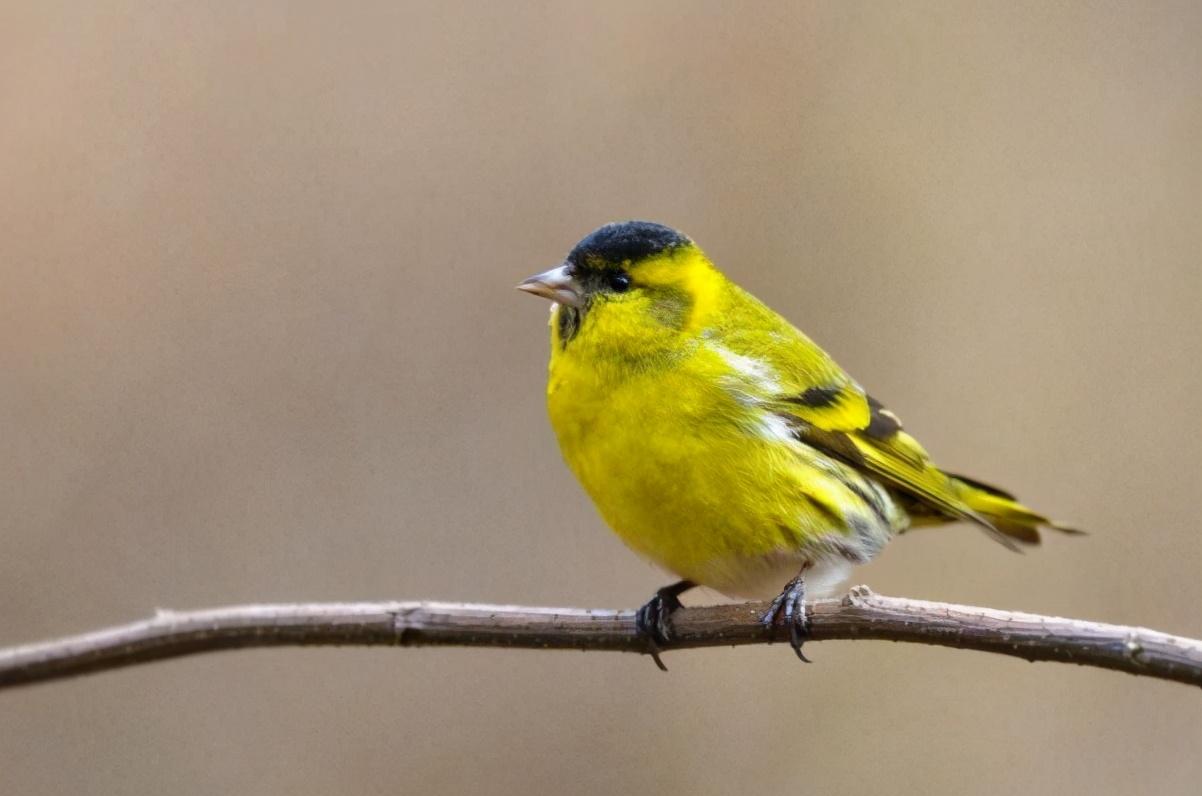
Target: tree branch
<point x="859" y="615"/>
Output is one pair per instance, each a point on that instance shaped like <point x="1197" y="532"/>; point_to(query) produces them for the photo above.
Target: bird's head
<point x="631" y="284"/>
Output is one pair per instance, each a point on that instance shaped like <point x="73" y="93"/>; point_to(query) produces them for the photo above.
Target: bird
<point x="722" y="443"/>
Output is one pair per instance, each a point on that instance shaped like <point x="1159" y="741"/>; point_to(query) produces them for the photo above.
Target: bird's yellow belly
<point x="693" y="483"/>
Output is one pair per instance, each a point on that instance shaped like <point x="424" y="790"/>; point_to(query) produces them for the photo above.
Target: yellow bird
<point x="721" y="442"/>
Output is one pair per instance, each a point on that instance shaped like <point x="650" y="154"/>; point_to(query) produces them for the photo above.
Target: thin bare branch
<point x="859" y="615"/>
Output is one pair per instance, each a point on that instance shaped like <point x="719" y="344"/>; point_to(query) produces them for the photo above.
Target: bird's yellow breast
<point x="651" y="465"/>
<point x="684" y="468"/>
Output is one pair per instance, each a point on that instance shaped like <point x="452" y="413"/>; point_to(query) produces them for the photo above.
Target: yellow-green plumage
<point x="718" y="440"/>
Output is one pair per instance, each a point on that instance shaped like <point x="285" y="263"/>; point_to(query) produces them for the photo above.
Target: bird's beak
<point x="556" y="284"/>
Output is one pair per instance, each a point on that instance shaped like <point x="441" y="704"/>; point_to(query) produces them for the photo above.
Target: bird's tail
<point x="1003" y="513"/>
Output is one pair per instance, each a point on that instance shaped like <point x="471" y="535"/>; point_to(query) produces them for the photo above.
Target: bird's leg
<point x="654" y="620"/>
<point x="791" y="604"/>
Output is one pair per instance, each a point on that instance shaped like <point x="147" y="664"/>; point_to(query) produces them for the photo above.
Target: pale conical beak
<point x="556" y="284"/>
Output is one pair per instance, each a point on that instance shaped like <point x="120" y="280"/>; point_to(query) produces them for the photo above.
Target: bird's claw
<point x="791" y="605"/>
<point x="653" y="622"/>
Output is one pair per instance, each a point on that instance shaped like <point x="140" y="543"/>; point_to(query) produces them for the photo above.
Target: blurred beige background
<point x="259" y="342"/>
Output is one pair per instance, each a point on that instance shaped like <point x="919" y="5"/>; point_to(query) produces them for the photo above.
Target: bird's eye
<point x="619" y="281"/>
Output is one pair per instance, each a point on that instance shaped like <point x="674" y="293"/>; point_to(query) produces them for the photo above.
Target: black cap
<point x="625" y="240"/>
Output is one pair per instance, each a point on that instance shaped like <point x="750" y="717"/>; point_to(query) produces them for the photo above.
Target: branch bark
<point x="861" y="614"/>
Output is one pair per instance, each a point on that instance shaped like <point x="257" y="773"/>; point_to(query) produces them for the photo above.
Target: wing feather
<point x="828" y="410"/>
<point x="840" y="418"/>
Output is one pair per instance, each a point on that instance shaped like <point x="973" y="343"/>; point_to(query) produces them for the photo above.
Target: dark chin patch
<point x="568" y="322"/>
<point x="625" y="240"/>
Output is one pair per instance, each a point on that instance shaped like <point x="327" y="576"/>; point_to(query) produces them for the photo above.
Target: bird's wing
<point x="882" y="448"/>
<point x="792" y="377"/>
<point x="831" y="412"/>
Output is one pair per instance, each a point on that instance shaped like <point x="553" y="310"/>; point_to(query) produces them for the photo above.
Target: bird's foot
<point x="653" y="621"/>
<point x="791" y="605"/>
